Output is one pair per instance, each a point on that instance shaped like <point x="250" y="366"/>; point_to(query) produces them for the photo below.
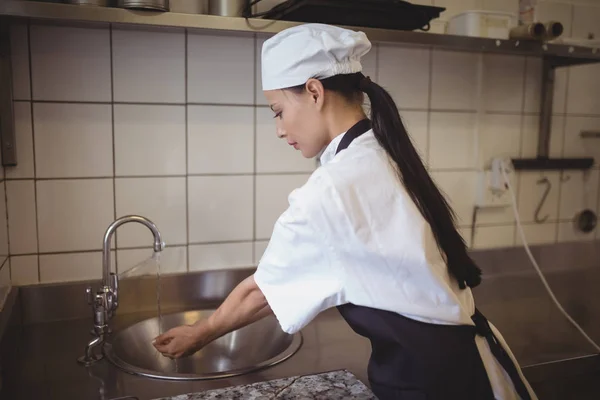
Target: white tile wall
<point x="149" y="66"/>
<point x="138" y="262"/>
<point x="575" y="145"/>
<point x="500" y="137"/>
<point x="70" y="64"/>
<point x="530" y="135"/>
<point x="533" y="86"/>
<point x="149" y="140"/>
<point x="73" y="140"/>
<point x="70" y="267"/>
<point x="24" y="270"/>
<point x="22" y="214"/>
<point x="457" y="187"/>
<point x="20" y="61"/>
<point x="538" y="234"/>
<point x="454" y="7"/>
<point x="217" y="256"/>
<point x="568" y="233"/>
<point x="203" y="161"/>
<point x="369" y="62"/>
<point x="217" y="76"/>
<point x="492" y="237"/>
<point x="579" y="191"/>
<point x="4" y="251"/>
<point x="454" y="80"/>
<point x="511" y="6"/>
<point x="451" y="144"/>
<point x="259" y="96"/>
<point x="73" y="214"/>
<point x="220" y="140"/>
<point x="396" y="63"/>
<point x="272" y="199"/>
<point x="503" y="83"/>
<point x="259" y="249"/>
<point x="585" y="20"/>
<point x="162" y="200"/>
<point x="584" y="87"/>
<point x="220" y="208"/>
<point x="416" y="125"/>
<point x="24" y="139"/>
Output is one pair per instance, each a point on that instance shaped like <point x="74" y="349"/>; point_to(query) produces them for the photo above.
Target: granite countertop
<point x="336" y="385"/>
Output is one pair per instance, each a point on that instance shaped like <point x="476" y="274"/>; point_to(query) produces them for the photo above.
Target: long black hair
<point x="392" y="136"/>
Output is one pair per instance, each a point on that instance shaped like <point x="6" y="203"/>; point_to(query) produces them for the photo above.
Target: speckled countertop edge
<point x="335" y="385"/>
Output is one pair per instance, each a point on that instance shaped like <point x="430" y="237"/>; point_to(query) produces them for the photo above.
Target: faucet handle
<point x="114" y="283"/>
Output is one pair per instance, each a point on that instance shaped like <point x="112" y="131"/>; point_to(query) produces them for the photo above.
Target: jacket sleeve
<point x="300" y="274"/>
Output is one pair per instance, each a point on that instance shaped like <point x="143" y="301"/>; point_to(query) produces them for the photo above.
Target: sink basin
<point x="256" y="346"/>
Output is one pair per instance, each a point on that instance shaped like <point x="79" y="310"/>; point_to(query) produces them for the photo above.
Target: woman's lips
<point x="294" y="145"/>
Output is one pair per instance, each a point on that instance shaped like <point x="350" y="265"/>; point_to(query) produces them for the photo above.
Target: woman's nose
<point x="280" y="133"/>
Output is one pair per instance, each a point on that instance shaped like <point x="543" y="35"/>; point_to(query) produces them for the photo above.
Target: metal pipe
<point x="548" y="77"/>
<point x="553" y="29"/>
<point x="532" y="31"/>
<point x="158" y="243"/>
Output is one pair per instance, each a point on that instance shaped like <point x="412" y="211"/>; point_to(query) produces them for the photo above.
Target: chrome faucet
<point x="105" y="301"/>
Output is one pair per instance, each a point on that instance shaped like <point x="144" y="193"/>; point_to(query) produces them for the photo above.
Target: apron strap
<point x="483" y="328"/>
<point x="358" y="129"/>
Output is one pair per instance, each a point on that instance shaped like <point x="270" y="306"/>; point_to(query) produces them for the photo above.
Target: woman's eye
<point x="278" y="115"/>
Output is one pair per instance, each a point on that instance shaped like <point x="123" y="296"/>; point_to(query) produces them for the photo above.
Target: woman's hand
<point x="244" y="305"/>
<point x="184" y="340"/>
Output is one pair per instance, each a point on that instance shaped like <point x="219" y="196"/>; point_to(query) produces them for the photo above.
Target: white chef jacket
<point x="352" y="234"/>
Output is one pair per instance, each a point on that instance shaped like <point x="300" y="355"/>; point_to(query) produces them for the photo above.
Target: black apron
<point x="413" y="360"/>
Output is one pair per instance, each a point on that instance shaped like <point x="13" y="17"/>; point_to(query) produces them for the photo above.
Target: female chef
<point x="369" y="233"/>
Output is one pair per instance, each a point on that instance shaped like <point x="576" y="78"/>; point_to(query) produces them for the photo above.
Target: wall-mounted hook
<point x="565" y="178"/>
<point x="539" y="207"/>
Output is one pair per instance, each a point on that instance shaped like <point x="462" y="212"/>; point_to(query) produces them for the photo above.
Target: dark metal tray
<point x="385" y="14"/>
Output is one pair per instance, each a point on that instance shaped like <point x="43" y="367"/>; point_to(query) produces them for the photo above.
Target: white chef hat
<point x="296" y="54"/>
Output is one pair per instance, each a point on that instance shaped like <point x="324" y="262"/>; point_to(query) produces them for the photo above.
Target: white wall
<point x="172" y="125"/>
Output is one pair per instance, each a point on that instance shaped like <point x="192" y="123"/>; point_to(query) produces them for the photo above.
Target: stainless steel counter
<point x="38" y="357"/>
<point x="43" y="363"/>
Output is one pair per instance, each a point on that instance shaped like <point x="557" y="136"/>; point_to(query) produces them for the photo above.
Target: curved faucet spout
<point x="158" y="243"/>
<point x="105" y="300"/>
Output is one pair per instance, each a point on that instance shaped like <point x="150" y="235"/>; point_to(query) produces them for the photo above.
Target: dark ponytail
<point x="392" y="136"/>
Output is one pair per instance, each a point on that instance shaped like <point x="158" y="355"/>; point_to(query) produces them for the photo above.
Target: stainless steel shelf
<point x="560" y="55"/>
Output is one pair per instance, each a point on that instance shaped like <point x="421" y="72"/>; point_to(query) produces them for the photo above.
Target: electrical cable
<point x="535" y="265"/>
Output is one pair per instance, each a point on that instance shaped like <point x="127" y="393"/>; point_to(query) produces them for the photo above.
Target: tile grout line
<point x="35" y="185"/>
<point x="67" y="178"/>
<point x="115" y="250"/>
<point x="187" y="177"/>
<point x="114" y="157"/>
<point x="521" y="128"/>
<point x="7" y="226"/>
<point x="429" y="100"/>
<point x="433" y="110"/>
<point x="6" y="204"/>
<point x="254" y="146"/>
<point x="419" y="109"/>
<point x="562" y="151"/>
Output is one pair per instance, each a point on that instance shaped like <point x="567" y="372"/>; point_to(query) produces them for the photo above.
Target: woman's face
<point x="299" y="118"/>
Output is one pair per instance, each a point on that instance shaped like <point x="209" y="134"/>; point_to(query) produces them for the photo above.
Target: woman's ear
<point x="316" y="91"/>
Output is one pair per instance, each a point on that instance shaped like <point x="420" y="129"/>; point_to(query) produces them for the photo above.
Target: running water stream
<point x="142" y="269"/>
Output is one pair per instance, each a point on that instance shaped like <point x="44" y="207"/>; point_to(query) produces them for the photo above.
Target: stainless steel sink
<point x="253" y="347"/>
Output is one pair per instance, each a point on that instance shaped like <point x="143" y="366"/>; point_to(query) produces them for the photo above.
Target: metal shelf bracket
<point x="543" y="160"/>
